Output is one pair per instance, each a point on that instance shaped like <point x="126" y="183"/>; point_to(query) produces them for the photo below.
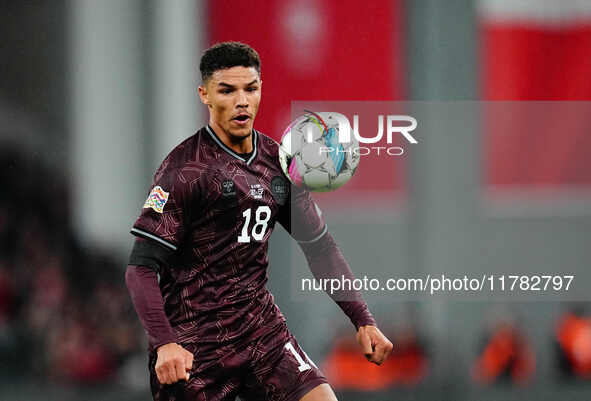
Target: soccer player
<point x="198" y="268"/>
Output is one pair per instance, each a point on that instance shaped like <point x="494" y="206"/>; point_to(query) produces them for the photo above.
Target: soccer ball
<point x="311" y="155"/>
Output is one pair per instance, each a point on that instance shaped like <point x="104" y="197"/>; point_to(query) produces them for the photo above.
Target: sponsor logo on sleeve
<point x="157" y="199"/>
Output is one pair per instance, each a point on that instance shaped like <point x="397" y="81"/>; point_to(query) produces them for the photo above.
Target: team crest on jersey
<point x="256" y="191"/>
<point x="228" y="188"/>
<point x="157" y="199"/>
<point x="279" y="189"/>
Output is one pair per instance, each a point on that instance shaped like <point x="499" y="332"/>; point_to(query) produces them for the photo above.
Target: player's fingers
<point x="188" y="364"/>
<point x="365" y="343"/>
<point x="383" y="349"/>
<point x="379" y="354"/>
<point x="389" y="348"/>
<point x="170" y="372"/>
<point x="162" y="374"/>
<point x="180" y="373"/>
<point x="188" y="361"/>
<point x="159" y="376"/>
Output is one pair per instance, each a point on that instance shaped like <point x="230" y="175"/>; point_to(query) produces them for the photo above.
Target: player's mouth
<point x="241" y="119"/>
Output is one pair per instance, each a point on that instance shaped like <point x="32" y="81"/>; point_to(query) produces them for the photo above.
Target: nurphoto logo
<point x="394" y="125"/>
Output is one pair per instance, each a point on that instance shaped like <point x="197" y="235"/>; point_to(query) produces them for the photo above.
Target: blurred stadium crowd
<point x="64" y="310"/>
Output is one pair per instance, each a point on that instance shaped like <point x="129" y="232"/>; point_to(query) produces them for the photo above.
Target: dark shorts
<point x="272" y="367"/>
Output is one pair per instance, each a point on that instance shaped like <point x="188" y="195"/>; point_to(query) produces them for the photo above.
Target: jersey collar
<point x="230" y="151"/>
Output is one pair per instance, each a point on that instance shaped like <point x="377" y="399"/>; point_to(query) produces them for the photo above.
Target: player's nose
<point x="242" y="100"/>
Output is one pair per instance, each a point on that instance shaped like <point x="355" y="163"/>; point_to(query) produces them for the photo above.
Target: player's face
<point x="233" y="96"/>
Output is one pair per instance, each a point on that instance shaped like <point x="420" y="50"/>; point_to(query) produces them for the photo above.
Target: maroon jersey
<point x="216" y="209"/>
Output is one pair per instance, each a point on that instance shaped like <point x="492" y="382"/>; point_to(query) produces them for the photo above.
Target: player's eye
<point x="252" y="89"/>
<point x="226" y="91"/>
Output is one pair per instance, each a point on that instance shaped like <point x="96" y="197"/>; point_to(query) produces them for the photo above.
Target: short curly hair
<point x="227" y="55"/>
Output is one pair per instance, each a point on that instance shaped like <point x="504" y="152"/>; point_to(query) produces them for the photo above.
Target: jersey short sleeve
<point x="301" y="217"/>
<point x="165" y="213"/>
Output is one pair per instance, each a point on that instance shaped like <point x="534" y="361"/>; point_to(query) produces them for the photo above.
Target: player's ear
<point x="203" y="95"/>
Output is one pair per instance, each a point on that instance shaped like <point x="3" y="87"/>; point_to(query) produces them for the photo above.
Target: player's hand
<point x="173" y="363"/>
<point x="374" y="344"/>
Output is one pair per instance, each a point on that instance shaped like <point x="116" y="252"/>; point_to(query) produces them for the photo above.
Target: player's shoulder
<point x="267" y="144"/>
<point x="184" y="158"/>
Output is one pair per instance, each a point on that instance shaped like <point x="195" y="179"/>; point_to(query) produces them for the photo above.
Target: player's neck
<point x="238" y="145"/>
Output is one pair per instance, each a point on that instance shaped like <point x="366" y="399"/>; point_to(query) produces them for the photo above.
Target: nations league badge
<point x="157" y="199"/>
<point x="228" y="188"/>
<point x="279" y="189"/>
